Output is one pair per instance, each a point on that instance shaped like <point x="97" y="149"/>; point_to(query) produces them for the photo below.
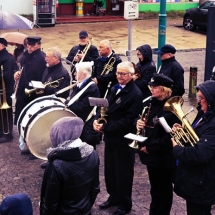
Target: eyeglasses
<point x="122" y="73"/>
<point x="199" y="98"/>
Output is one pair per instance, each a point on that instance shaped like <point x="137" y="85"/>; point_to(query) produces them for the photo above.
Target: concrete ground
<point x="19" y="174"/>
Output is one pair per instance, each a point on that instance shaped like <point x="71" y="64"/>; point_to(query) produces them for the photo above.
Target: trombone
<point x="53" y="84"/>
<point x="4" y="105"/>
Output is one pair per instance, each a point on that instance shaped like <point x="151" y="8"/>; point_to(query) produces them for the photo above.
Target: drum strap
<point x="76" y="97"/>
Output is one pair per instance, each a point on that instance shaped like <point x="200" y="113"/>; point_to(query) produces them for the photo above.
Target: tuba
<point x="4" y="105"/>
<point x="144" y="117"/>
<point x="108" y="66"/>
<point x="186" y="133"/>
<point x="104" y="109"/>
<point x="52" y="84"/>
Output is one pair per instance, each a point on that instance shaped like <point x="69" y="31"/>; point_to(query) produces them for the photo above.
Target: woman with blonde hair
<point x="156" y="151"/>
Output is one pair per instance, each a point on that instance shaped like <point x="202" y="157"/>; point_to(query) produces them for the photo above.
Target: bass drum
<point x="35" y="122"/>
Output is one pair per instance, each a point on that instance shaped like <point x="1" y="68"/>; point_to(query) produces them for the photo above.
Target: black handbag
<point x="89" y="135"/>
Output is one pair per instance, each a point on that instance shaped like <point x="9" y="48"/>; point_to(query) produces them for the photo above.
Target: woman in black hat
<point x="195" y="175"/>
<point x="156" y="151"/>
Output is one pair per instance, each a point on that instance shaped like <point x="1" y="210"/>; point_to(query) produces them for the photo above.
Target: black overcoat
<point x="103" y="80"/>
<point x="82" y="107"/>
<point x="53" y="73"/>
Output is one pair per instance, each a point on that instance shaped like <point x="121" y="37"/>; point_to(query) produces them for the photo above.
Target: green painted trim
<point x="143" y="7"/>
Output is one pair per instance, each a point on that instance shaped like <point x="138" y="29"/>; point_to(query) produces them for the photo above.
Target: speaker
<point x="210" y="44"/>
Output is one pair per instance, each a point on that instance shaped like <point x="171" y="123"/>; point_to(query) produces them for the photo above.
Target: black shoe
<point x="43" y="165"/>
<point x="25" y="152"/>
<point x="120" y="211"/>
<point x="32" y="157"/>
<point x="106" y="205"/>
<point x="5" y="139"/>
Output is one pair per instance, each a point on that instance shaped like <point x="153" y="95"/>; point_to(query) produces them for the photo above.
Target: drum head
<point x="37" y="137"/>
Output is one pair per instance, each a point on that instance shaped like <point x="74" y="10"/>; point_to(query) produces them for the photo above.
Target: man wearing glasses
<point x="125" y="102"/>
<point x="76" y="54"/>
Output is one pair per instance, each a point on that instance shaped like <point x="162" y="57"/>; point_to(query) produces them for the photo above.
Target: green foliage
<point x="154" y="15"/>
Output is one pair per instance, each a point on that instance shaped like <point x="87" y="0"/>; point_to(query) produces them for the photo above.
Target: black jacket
<point x="7" y="62"/>
<point x="81" y="107"/>
<point x="103" y="80"/>
<point x="146" y="68"/>
<point x="122" y="111"/>
<point x="172" y="69"/>
<point x="33" y="65"/>
<point x="195" y="178"/>
<point x="53" y="73"/>
<point x="70" y="182"/>
<point x="158" y="144"/>
<point x="91" y="55"/>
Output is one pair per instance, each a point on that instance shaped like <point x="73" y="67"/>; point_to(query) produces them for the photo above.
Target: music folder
<point x="138" y="138"/>
<point x="99" y="102"/>
<point x="37" y="84"/>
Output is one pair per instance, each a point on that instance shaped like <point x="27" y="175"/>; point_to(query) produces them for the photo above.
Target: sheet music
<point x="99" y="102"/>
<point x="37" y="84"/>
<point x="138" y="138"/>
<point x="165" y="125"/>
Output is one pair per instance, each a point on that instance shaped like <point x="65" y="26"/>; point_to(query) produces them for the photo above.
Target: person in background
<point x="125" y="100"/>
<point x="33" y="65"/>
<point x="156" y="151"/>
<point x="6" y="86"/>
<point x="76" y="53"/>
<point x="146" y="67"/>
<point x="195" y="173"/>
<point x="16" y="204"/>
<point x="105" y="66"/>
<point x="71" y="179"/>
<point x="171" y="68"/>
<point x="55" y="71"/>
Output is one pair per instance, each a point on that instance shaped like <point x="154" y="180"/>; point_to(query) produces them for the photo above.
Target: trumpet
<point x="16" y="85"/>
<point x="104" y="109"/>
<point x="142" y="132"/>
<point x="108" y="66"/>
<point x="53" y="84"/>
<point x="186" y="134"/>
<point x="4" y="105"/>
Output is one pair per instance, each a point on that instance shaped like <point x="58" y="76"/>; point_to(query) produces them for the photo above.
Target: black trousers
<point x="196" y="209"/>
<point x="161" y="190"/>
<point x="119" y="172"/>
<point x="6" y="119"/>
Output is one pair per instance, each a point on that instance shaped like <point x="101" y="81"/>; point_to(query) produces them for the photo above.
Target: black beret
<point x="3" y="41"/>
<point x="161" y="80"/>
<point x="166" y="49"/>
<point x="33" y="39"/>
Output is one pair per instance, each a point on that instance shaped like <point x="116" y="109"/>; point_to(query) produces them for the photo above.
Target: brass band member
<point x="119" y="157"/>
<point x="76" y="53"/>
<point x="55" y="71"/>
<point x="109" y="60"/>
<point x="146" y="67"/>
<point x="195" y="173"/>
<point x="81" y="107"/>
<point x="33" y="64"/>
<point x="6" y="86"/>
<point x="156" y="151"/>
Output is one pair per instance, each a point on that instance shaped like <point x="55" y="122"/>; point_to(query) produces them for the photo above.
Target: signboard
<point x="131" y="10"/>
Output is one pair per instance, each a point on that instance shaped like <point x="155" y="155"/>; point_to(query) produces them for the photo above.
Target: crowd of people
<point x="70" y="183"/>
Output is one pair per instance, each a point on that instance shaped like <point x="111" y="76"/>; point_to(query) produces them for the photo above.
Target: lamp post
<point x="162" y="28"/>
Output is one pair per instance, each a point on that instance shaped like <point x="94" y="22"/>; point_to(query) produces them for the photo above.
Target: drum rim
<point x="23" y="113"/>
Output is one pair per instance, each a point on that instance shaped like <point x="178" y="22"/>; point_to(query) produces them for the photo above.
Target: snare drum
<point x="35" y="121"/>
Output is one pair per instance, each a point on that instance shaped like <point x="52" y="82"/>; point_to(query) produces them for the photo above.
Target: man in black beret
<point x="33" y="65"/>
<point x="76" y="53"/>
<point x="171" y="68"/>
<point x="6" y="89"/>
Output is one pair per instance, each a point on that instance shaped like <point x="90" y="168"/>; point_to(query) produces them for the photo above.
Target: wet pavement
<point x="19" y="174"/>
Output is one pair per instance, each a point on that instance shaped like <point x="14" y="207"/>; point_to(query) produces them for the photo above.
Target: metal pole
<point x="129" y="38"/>
<point x="193" y="81"/>
<point x="162" y="28"/>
